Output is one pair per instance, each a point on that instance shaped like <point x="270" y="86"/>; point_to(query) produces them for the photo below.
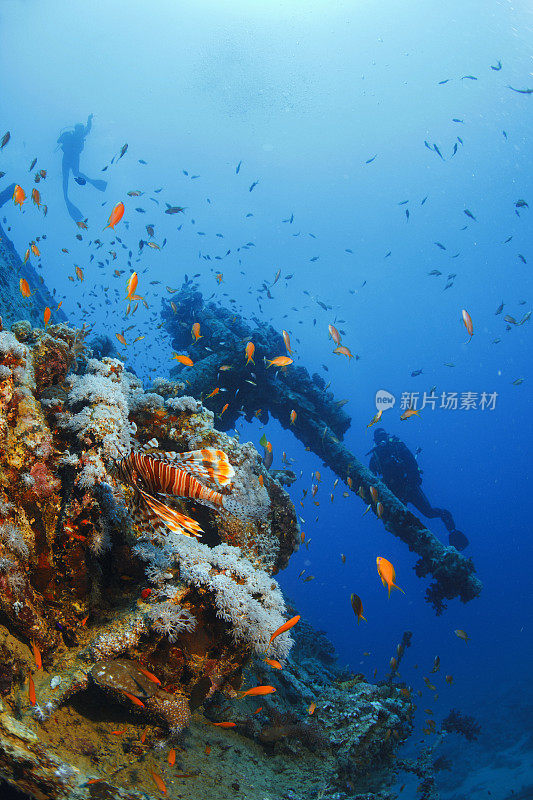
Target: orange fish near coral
<point x="36" y="197"/>
<point x="25" y="288"/>
<point x="35" y="250"/>
<point x="249" y="352"/>
<point x="311" y="709"/>
<point x="31" y="691"/>
<point x="279" y="361"/>
<point x="122" y="340"/>
<point x="116" y="215"/>
<point x="171" y="757"/>
<point x="467" y="320"/>
<point x="150" y="676"/>
<point x="224" y="724"/>
<point x="387" y="574"/>
<point x="159" y="782"/>
<point x="287" y="340"/>
<point x="134" y="700"/>
<point x="258" y="691"/>
<point x="19" y="195"/>
<point x="273" y="663"/>
<point x="185" y="360"/>
<point x="292" y="417"/>
<point x="195" y="331"/>
<point x="37" y="656"/>
<point x="285" y="627"/>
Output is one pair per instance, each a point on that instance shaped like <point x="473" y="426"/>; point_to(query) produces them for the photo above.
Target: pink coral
<point x="45" y="484"/>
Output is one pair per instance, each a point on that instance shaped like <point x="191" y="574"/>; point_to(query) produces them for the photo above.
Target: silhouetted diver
<point x="72" y="143"/>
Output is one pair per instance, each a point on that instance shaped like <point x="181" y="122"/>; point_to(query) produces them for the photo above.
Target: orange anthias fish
<point x="258" y="691"/>
<point x="31" y="691"/>
<point x="285" y="627"/>
<point x="224" y="724"/>
<point x="287" y="340"/>
<point x="341" y="350"/>
<point x="171" y="757"/>
<point x="279" y="361"/>
<point x="249" y="352"/>
<point x="293" y="416"/>
<point x="357" y="605"/>
<point x="219" y="277"/>
<point x="35" y="250"/>
<point x="462" y="635"/>
<point x="79" y="273"/>
<point x="134" y="700"/>
<point x="195" y="332"/>
<point x="375" y="418"/>
<point x="273" y="663"/>
<point x="467" y="319"/>
<point x="36" y="197"/>
<point x="185" y="360"/>
<point x="387" y="574"/>
<point x="213" y="393"/>
<point x="159" y="782"/>
<point x="311" y="709"/>
<point x="131" y="286"/>
<point x="24" y="288"/>
<point x="373" y="493"/>
<point x="334" y="333"/>
<point x="116" y="215"/>
<point x="224" y="408"/>
<point x="150" y="676"/>
<point x="410" y="412"/>
<point x="26" y="256"/>
<point x="122" y="340"/>
<point x="37" y="656"/>
<point x="19" y="195"/>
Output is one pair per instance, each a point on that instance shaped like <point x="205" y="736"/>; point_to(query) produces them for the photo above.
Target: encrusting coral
<point x="114" y="602"/>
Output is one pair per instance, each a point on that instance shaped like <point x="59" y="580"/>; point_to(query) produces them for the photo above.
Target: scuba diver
<point x="399" y="469"/>
<point x="72" y="143"/>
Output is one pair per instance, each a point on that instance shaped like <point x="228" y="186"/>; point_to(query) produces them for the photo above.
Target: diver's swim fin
<point x="100" y="185"/>
<point x="458" y="540"/>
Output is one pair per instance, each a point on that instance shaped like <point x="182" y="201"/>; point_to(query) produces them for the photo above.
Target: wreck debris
<point x="320" y="422"/>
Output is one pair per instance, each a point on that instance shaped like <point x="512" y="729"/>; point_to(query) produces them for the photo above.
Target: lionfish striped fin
<point x="208" y="463"/>
<point x="178" y="523"/>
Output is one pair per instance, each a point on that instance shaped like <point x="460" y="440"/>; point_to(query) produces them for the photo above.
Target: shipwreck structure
<point x="230" y="387"/>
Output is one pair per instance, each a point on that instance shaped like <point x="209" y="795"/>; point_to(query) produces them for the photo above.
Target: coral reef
<point x="463" y="724"/>
<point x="320" y="421"/>
<point x="119" y="634"/>
<point x="13" y="306"/>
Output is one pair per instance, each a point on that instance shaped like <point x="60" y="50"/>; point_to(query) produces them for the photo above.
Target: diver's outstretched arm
<point x="89" y="124"/>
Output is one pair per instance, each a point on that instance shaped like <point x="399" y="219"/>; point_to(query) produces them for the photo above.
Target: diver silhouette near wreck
<point x="399" y="469"/>
<point x="72" y="143"/>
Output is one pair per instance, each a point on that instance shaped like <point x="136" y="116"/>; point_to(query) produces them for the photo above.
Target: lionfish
<point x="152" y="475"/>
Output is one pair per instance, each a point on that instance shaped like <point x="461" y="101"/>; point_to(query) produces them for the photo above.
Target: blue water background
<point x="304" y="94"/>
